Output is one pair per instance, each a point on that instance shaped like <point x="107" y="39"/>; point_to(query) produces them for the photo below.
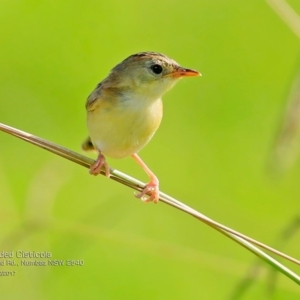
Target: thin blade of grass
<point x="133" y="183"/>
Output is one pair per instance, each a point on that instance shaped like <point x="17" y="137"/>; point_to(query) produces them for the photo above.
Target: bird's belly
<point x="119" y="132"/>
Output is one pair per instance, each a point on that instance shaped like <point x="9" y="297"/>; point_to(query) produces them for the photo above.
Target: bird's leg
<point x="152" y="188"/>
<point x="95" y="168"/>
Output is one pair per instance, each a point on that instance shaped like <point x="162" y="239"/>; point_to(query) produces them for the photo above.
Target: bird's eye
<point x="157" y="69"/>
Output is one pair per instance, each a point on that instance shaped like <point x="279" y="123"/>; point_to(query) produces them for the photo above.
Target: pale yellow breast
<point x="123" y="129"/>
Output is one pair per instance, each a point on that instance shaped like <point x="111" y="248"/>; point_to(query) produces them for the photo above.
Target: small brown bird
<point x="125" y="110"/>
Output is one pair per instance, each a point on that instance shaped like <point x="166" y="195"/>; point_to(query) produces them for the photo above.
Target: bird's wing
<point x="91" y="101"/>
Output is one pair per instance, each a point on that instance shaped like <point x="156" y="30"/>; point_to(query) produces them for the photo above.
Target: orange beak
<point x="183" y="72"/>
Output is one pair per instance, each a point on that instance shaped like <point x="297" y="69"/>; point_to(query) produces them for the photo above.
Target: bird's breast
<point x="119" y="130"/>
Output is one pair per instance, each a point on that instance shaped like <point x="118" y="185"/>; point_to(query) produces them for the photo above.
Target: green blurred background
<point x="211" y="151"/>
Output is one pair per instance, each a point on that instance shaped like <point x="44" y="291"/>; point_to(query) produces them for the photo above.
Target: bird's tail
<point x="87" y="145"/>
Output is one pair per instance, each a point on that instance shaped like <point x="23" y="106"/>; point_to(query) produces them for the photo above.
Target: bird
<point x="125" y="110"/>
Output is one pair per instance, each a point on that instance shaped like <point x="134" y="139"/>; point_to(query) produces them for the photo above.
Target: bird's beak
<point x="183" y="72"/>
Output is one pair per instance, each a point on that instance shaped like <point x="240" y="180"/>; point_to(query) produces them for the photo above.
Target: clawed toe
<point x="96" y="168"/>
<point x="149" y="193"/>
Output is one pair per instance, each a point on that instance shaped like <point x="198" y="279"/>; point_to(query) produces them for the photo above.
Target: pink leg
<point x="152" y="188"/>
<point x="95" y="169"/>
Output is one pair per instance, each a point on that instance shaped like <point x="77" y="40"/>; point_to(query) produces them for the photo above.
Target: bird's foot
<point x="150" y="192"/>
<point x="95" y="168"/>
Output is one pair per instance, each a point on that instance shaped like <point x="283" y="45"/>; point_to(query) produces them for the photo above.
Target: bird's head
<point x="148" y="73"/>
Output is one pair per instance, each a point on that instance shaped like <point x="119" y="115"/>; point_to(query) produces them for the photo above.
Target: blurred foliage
<point x="211" y="150"/>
